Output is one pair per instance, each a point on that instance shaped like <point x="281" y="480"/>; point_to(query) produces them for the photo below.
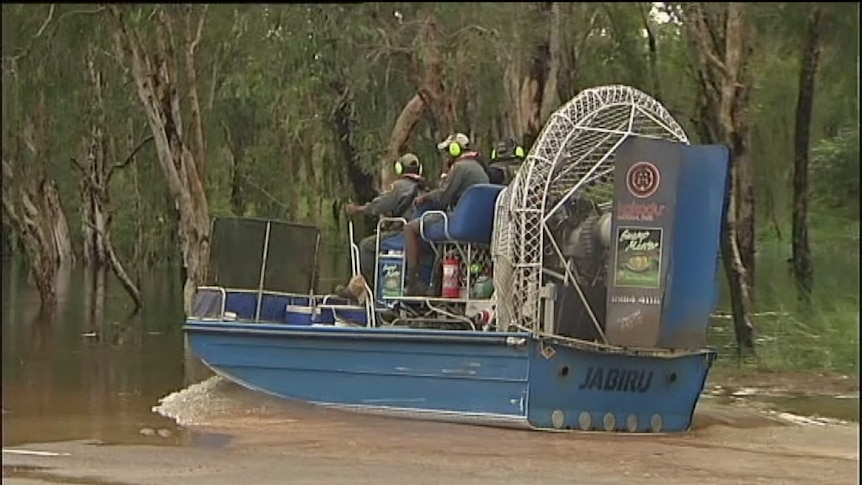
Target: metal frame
<point x="380" y="222"/>
<point x="370" y="311"/>
<point x="466" y="250"/>
<point x="548" y="165"/>
<point x="265" y="249"/>
<point x="223" y="301"/>
<point x="262" y="271"/>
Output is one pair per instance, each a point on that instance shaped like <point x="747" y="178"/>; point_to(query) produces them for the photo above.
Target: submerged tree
<point x="153" y="65"/>
<point x="96" y="175"/>
<point x="31" y="205"/>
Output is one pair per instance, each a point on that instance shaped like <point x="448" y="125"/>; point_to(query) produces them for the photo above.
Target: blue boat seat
<point x="396" y="242"/>
<point x="243" y="304"/>
<point x="472" y="220"/>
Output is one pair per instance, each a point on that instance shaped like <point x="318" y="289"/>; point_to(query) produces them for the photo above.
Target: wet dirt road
<point x="274" y="443"/>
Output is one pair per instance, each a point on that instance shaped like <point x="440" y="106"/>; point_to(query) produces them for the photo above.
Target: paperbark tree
<point x="193" y="39"/>
<point x="153" y="69"/>
<point x="31" y="205"/>
<point x="96" y="177"/>
<point x="532" y="86"/>
<point x="721" y="37"/>
<point x="801" y="251"/>
<point x="425" y="72"/>
<point x="344" y="126"/>
<point x="550" y="93"/>
<point x="652" y="49"/>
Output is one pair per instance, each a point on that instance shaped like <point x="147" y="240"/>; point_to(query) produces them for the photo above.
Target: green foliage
<point x="835" y="170"/>
<point x="272" y="76"/>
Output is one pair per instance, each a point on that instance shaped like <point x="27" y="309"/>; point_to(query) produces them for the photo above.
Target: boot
<point x="354" y="291"/>
<point x="341" y="291"/>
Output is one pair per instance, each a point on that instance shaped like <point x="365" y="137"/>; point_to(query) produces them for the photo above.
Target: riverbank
<point x="784" y="381"/>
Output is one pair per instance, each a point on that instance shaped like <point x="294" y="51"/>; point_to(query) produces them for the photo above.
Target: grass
<point x="822" y="336"/>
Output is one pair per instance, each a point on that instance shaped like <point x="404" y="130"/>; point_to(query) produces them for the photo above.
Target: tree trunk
<point x="722" y="51"/>
<point x="193" y="38"/>
<point x="512" y="120"/>
<point x="801" y="258"/>
<point x="94" y="300"/>
<point x="235" y="156"/>
<point x="93" y="185"/>
<point x="95" y="181"/>
<point x="153" y="77"/>
<point x="532" y="87"/>
<point x="550" y="94"/>
<point x="425" y="72"/>
<point x="344" y="123"/>
<point x="652" y="50"/>
<point x="746" y="236"/>
<point x="31" y="205"/>
<point x="138" y="251"/>
<point x="407" y="120"/>
<point x="59" y="226"/>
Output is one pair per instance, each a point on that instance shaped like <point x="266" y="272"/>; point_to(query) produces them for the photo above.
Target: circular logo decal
<point x="643" y="179"/>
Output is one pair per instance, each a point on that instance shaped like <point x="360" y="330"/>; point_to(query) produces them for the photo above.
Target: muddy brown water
<point x="90" y="372"/>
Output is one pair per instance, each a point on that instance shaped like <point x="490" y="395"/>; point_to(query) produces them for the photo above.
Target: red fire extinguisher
<point x="451" y="277"/>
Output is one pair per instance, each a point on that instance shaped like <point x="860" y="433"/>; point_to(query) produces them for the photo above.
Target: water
<point x="93" y="373"/>
<point x="86" y="372"/>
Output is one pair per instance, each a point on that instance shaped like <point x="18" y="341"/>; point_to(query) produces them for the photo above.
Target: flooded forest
<point x="126" y="128"/>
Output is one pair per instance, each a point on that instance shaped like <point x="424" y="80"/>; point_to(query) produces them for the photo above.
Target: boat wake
<point x="217" y="401"/>
<point x="196" y="404"/>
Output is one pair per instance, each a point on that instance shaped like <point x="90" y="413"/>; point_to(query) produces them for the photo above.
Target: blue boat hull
<point x="491" y="377"/>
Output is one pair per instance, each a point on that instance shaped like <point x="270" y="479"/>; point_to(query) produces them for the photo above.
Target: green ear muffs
<point x="494" y="154"/>
<point x="399" y="167"/>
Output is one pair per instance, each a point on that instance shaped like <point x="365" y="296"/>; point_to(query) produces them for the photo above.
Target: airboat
<point x="582" y="291"/>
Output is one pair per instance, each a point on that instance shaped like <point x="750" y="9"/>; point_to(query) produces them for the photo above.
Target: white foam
<point x="808" y="420"/>
<point x="194" y="405"/>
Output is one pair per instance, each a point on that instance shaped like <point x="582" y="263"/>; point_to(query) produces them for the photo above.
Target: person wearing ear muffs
<point x="506" y="159"/>
<point x="395" y="202"/>
<point x="463" y="170"/>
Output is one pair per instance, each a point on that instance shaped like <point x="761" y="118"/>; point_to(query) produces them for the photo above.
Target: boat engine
<point x="584" y="233"/>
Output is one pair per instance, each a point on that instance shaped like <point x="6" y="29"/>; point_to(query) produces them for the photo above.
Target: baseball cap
<point x="409" y="160"/>
<point x="505" y="148"/>
<point x="458" y="138"/>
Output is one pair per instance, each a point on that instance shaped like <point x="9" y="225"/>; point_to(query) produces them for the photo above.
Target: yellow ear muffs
<point x="493" y="154"/>
<point x="454" y="149"/>
<point x="519" y="152"/>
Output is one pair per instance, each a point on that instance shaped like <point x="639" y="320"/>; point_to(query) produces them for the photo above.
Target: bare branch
<point x="80" y="12"/>
<point x="200" y="30"/>
<point x="46" y="22"/>
<point x="78" y="165"/>
<point x="121" y="273"/>
<point x="473" y="28"/>
<point x="695" y="20"/>
<point x="130" y="158"/>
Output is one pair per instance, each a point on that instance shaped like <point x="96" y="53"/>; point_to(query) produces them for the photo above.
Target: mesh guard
<point x="262" y="254"/>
